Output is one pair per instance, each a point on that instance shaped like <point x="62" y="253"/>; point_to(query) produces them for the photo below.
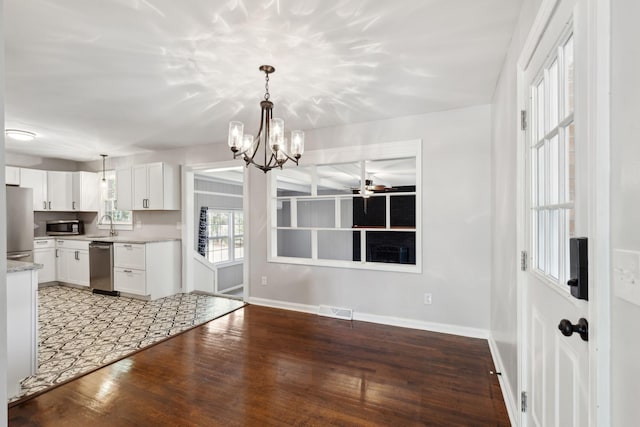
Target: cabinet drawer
<point x="129" y="280"/>
<point x="44" y="244"/>
<point x="129" y="255"/>
<point x="82" y="245"/>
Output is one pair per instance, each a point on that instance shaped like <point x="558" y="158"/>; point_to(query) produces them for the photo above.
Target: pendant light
<point x="103" y="183"/>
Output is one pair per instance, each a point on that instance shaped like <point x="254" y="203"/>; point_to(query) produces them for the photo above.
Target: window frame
<point x="231" y="236"/>
<point x="547" y="199"/>
<point x="380" y="151"/>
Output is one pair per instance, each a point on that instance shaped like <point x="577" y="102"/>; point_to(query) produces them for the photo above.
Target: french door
<point x="556" y="367"/>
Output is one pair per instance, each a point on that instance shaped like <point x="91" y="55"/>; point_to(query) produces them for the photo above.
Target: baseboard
<point x="383" y="320"/>
<point x="505" y="384"/>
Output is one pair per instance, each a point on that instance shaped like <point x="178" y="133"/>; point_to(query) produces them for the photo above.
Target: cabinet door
<point x="12" y="175"/>
<point x="155" y="186"/>
<point x="79" y="271"/>
<point x="64" y="259"/>
<point x="140" y="193"/>
<point x="46" y="257"/>
<point x="37" y="181"/>
<point x="124" y="189"/>
<point x="60" y="190"/>
<point x="130" y="281"/>
<point x="85" y="192"/>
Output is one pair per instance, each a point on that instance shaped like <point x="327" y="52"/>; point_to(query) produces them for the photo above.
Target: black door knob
<point x="582" y="327"/>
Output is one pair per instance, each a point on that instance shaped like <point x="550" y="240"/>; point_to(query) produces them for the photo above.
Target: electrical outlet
<point x="264" y="280"/>
<point x="427" y="299"/>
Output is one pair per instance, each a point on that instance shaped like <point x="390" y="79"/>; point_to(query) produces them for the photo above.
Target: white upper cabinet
<point x="60" y="191"/>
<point x="85" y="191"/>
<point x="12" y="175"/>
<point x="36" y="180"/>
<point x="153" y="186"/>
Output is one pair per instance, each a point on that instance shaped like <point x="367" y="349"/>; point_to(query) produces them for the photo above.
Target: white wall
<point x="504" y="253"/>
<point x="456" y="228"/>
<point x="625" y="205"/>
<point x="44" y="163"/>
<point x="3" y="246"/>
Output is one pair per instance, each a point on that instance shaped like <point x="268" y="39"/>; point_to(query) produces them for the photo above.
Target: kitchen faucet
<point x="112" y="232"/>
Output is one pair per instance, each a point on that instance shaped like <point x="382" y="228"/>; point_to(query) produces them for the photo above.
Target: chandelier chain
<point x="266" y="87"/>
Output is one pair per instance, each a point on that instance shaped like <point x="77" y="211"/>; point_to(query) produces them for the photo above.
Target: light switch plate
<point x="626" y="275"/>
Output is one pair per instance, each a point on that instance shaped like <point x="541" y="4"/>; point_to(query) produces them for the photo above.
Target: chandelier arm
<point x="257" y="138"/>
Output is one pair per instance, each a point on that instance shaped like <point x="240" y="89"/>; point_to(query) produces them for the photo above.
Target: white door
<point x="555" y="367"/>
<point x="155" y="186"/>
<point x="140" y="187"/>
<point x="60" y="190"/>
<point x="124" y="189"/>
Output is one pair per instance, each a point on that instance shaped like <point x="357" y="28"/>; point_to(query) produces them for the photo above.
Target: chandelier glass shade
<point x="276" y="148"/>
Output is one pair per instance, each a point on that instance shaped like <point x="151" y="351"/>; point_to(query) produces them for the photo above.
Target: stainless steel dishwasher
<point x="101" y="268"/>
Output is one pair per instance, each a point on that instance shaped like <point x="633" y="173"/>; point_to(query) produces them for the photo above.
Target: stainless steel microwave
<point x="63" y="227"/>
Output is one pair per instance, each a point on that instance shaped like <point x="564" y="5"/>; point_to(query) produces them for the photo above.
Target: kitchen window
<point x="121" y="219"/>
<point x="225" y="236"/>
<point x="354" y="214"/>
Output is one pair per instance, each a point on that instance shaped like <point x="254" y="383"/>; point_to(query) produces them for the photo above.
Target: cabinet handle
<point x="49" y="205"/>
<point x="56" y="253"/>
<point x="127" y="271"/>
<point x="73" y="206"/>
<point x="77" y="256"/>
<point x="127" y="246"/>
<point x="44" y="205"/>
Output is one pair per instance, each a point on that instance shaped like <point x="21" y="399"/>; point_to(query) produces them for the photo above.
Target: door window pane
<point x="554" y="170"/>
<point x="570" y="168"/>
<point x="541" y="230"/>
<point x="540" y="128"/>
<point x="554" y="243"/>
<point x="568" y="78"/>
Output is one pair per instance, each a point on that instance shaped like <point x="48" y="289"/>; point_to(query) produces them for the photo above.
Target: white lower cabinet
<point x="44" y="252"/>
<point x="72" y="262"/>
<point x="149" y="270"/>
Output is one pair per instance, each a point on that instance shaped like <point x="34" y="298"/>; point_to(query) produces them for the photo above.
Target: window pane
<point x="238" y="223"/>
<point x="540" y="239"/>
<point x="540" y="177"/>
<point x="283" y="213"/>
<point x="294" y="243"/>
<point x="238" y="248"/>
<point x="108" y="202"/>
<point x="540" y="113"/>
<point x="336" y="245"/>
<point x="396" y="173"/>
<point x="346" y="213"/>
<point x="317" y="213"/>
<point x="402" y="211"/>
<point x="570" y="167"/>
<point x="340" y="178"/>
<point x="568" y="77"/>
<point x="553" y="95"/>
<point x="554" y="243"/>
<point x="554" y="171"/>
<point x="218" y="249"/>
<point x="397" y="247"/>
<point x="370" y="211"/>
<point x="293" y="181"/>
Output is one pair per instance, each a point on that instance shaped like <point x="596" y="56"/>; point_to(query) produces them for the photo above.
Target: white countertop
<point x="15" y="266"/>
<point x="114" y="239"/>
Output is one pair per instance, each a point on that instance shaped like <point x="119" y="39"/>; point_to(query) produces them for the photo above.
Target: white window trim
<point x="390" y="150"/>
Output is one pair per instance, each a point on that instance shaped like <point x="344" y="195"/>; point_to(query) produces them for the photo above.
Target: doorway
<point x="216" y="252"/>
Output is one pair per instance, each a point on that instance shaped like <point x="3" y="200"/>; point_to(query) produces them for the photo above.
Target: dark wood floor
<point x="261" y="366"/>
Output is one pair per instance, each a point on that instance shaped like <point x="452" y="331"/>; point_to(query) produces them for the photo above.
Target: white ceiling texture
<point x="126" y="76"/>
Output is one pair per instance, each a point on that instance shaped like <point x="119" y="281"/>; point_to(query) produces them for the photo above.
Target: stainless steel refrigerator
<point x="19" y="224"/>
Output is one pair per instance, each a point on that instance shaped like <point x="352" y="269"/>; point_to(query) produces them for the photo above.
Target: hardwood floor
<point x="261" y="366"/>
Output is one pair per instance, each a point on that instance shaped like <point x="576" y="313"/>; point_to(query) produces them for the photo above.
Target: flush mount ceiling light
<point x="272" y="133"/>
<point x="19" y="135"/>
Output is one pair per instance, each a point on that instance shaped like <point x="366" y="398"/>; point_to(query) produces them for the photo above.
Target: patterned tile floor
<point x="80" y="331"/>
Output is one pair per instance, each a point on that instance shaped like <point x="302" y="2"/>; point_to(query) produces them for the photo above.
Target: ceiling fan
<point x="370" y="188"/>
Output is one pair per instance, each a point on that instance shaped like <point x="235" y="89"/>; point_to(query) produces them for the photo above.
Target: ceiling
<point x="128" y="76"/>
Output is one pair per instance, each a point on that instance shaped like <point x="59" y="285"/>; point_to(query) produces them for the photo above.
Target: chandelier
<point x="272" y="133"/>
